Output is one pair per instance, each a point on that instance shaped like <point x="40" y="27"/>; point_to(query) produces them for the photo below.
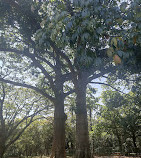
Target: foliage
<point x="118" y="123"/>
<point x="18" y="109"/>
<point x="36" y="140"/>
<point x="87" y="26"/>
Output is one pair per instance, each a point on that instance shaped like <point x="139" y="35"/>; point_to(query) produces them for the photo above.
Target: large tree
<point x="72" y="33"/>
<point x="43" y="63"/>
<point x="82" y="28"/>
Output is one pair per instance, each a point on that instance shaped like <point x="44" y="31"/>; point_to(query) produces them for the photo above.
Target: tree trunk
<point x="134" y="142"/>
<point x="2" y="150"/>
<point x="58" y="148"/>
<point x="118" y="137"/>
<point x="90" y="119"/>
<point x="82" y="136"/>
<point x="2" y="131"/>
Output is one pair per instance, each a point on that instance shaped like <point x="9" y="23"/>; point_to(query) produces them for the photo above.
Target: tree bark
<point x="2" y="151"/>
<point x="90" y="119"/>
<point x="82" y="136"/>
<point x="2" y="128"/>
<point x="58" y="148"/>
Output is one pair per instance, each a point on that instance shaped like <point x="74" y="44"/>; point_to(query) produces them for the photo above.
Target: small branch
<point x="108" y="86"/>
<point x="46" y="61"/>
<point x="113" y="88"/>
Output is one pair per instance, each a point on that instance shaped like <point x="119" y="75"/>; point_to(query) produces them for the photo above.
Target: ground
<point x="99" y="157"/>
<point x="114" y="157"/>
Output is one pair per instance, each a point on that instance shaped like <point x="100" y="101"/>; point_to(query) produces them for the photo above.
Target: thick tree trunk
<point x="58" y="148"/>
<point x="82" y="136"/>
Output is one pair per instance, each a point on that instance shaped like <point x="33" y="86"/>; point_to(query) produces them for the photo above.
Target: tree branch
<point x="28" y="86"/>
<point x="66" y="77"/>
<point x="64" y="56"/>
<point x="46" y="61"/>
<point x="35" y="62"/>
<point x="108" y="86"/>
<point x="110" y="69"/>
<point x="1" y="108"/>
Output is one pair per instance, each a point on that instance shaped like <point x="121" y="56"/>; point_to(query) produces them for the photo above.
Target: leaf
<point x="120" y="43"/>
<point x="113" y="42"/>
<point x="110" y="52"/>
<point x="85" y="13"/>
<point x="63" y="13"/>
<point x="123" y="6"/>
<point x="99" y="30"/>
<point x="97" y="62"/>
<point x="126" y="55"/>
<point x="69" y="25"/>
<point x="85" y="36"/>
<point x="108" y="21"/>
<point x="120" y="53"/>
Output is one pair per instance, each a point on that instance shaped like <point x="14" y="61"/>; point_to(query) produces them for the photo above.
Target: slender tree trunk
<point x="82" y="136"/>
<point x="120" y="143"/>
<point x="1" y="151"/>
<point x="134" y="142"/>
<point x="2" y="129"/>
<point x="119" y="138"/>
<point x="90" y="119"/>
<point x="58" y="149"/>
<point x="2" y="142"/>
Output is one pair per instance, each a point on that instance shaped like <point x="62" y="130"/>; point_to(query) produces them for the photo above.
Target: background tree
<point x="36" y="140"/>
<point x="112" y="126"/>
<point x="19" y="108"/>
